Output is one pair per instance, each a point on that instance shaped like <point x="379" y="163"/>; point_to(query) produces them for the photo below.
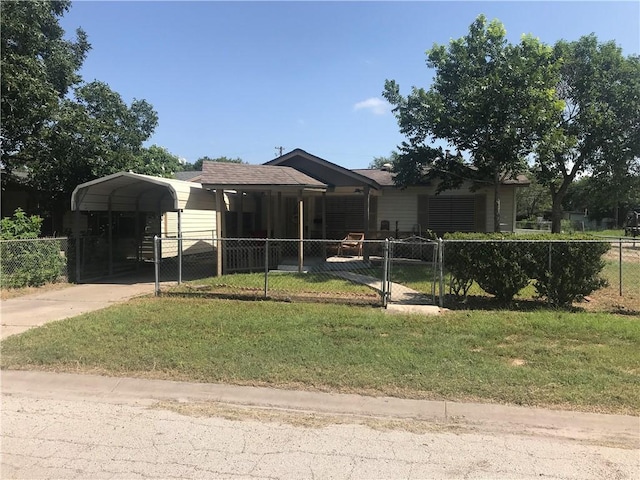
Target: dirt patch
<point x="7" y="293"/>
<point x="304" y="419"/>
<point x="517" y="362"/>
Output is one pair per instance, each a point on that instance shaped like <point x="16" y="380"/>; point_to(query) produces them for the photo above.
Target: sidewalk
<point x="608" y="429"/>
<point x="22" y="313"/>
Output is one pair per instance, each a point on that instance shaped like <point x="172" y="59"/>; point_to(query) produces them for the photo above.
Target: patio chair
<point x="352" y="242"/>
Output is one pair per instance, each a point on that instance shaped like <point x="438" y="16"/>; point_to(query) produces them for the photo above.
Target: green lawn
<point x="544" y="358"/>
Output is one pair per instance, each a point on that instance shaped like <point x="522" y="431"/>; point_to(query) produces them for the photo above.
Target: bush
<point x="25" y="260"/>
<point x="564" y="269"/>
<point x="565" y="272"/>
<point x="31" y="263"/>
<point x="20" y="226"/>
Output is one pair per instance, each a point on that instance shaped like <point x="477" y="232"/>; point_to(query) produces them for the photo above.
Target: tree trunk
<point x="496" y="204"/>
<point x="556" y="215"/>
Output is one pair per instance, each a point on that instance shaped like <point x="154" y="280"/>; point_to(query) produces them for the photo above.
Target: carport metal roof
<point x="126" y="191"/>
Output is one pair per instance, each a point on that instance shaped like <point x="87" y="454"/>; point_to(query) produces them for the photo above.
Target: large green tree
<point x="92" y="135"/>
<point x="489" y="98"/>
<point x="38" y="68"/>
<point x="598" y="131"/>
<point x="379" y="162"/>
<point x="157" y="161"/>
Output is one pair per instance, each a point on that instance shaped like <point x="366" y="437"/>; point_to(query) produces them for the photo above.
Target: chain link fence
<point x="352" y="271"/>
<point x="412" y="270"/>
<point x="550" y="270"/>
<point x="34" y="262"/>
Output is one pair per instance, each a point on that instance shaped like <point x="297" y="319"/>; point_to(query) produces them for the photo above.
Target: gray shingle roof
<point x="187" y="176"/>
<point x="239" y="175"/>
<point x="382" y="177"/>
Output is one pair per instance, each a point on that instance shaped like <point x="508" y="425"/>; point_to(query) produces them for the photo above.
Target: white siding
<point x="198" y="230"/>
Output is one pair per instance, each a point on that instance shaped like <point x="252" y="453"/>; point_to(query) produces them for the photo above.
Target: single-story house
<point x="297" y="195"/>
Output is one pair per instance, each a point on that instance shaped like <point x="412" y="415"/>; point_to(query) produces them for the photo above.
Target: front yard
<point x="568" y="360"/>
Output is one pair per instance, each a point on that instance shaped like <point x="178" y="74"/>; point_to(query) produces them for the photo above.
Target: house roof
<point x="322" y="170"/>
<point x="188" y="176"/>
<point x="383" y="177"/>
<point x="125" y="191"/>
<point x="239" y="176"/>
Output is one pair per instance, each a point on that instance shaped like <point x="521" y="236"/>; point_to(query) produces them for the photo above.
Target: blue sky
<point x="241" y="78"/>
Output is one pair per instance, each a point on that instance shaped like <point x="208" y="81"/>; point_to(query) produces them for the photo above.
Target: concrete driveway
<point x="22" y="313"/>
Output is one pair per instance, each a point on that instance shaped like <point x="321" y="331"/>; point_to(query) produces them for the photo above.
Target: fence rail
<point x="371" y="272"/>
<point x="412" y="270"/>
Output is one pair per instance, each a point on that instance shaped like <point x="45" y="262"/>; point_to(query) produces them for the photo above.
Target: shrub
<point x="503" y="268"/>
<point x="565" y="272"/>
<point x="26" y="260"/>
<point x="20" y="226"/>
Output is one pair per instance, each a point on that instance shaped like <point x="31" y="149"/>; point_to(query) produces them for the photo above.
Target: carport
<point x="132" y="192"/>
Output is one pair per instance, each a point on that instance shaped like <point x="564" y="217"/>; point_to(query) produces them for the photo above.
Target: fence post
<point x="266" y="268"/>
<point x="385" y="273"/>
<point x="156" y="262"/>
<point x="441" y="272"/>
<point x="620" y="265"/>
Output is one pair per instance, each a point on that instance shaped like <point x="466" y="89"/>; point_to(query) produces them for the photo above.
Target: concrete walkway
<point x="22" y="313"/>
<point x="403" y="299"/>
<point x="593" y="427"/>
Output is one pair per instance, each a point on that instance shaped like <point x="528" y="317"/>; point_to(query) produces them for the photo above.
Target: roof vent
<point x="387" y="167"/>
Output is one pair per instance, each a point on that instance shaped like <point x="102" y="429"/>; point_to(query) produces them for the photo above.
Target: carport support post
<point x="110" y="220"/>
<point x="77" y="235"/>
<point x="300" y="232"/>
<point x="220" y="208"/>
<point x="179" y="246"/>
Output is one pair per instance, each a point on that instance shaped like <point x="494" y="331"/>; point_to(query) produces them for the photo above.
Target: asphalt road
<point x="139" y="439"/>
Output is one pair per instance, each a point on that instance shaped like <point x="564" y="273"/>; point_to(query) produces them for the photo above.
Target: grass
<point x="281" y="286"/>
<point x="585" y="361"/>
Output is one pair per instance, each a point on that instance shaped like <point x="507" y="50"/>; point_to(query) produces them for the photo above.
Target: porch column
<point x="278" y="220"/>
<point x="324" y="224"/>
<point x="220" y="209"/>
<point x="240" y="214"/>
<point x="269" y="207"/>
<point x="300" y="232"/>
<point x="367" y="207"/>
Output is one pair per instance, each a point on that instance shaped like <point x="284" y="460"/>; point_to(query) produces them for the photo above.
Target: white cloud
<point x="375" y="105"/>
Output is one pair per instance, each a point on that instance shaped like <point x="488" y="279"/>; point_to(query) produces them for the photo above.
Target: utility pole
<point x="279" y="149"/>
